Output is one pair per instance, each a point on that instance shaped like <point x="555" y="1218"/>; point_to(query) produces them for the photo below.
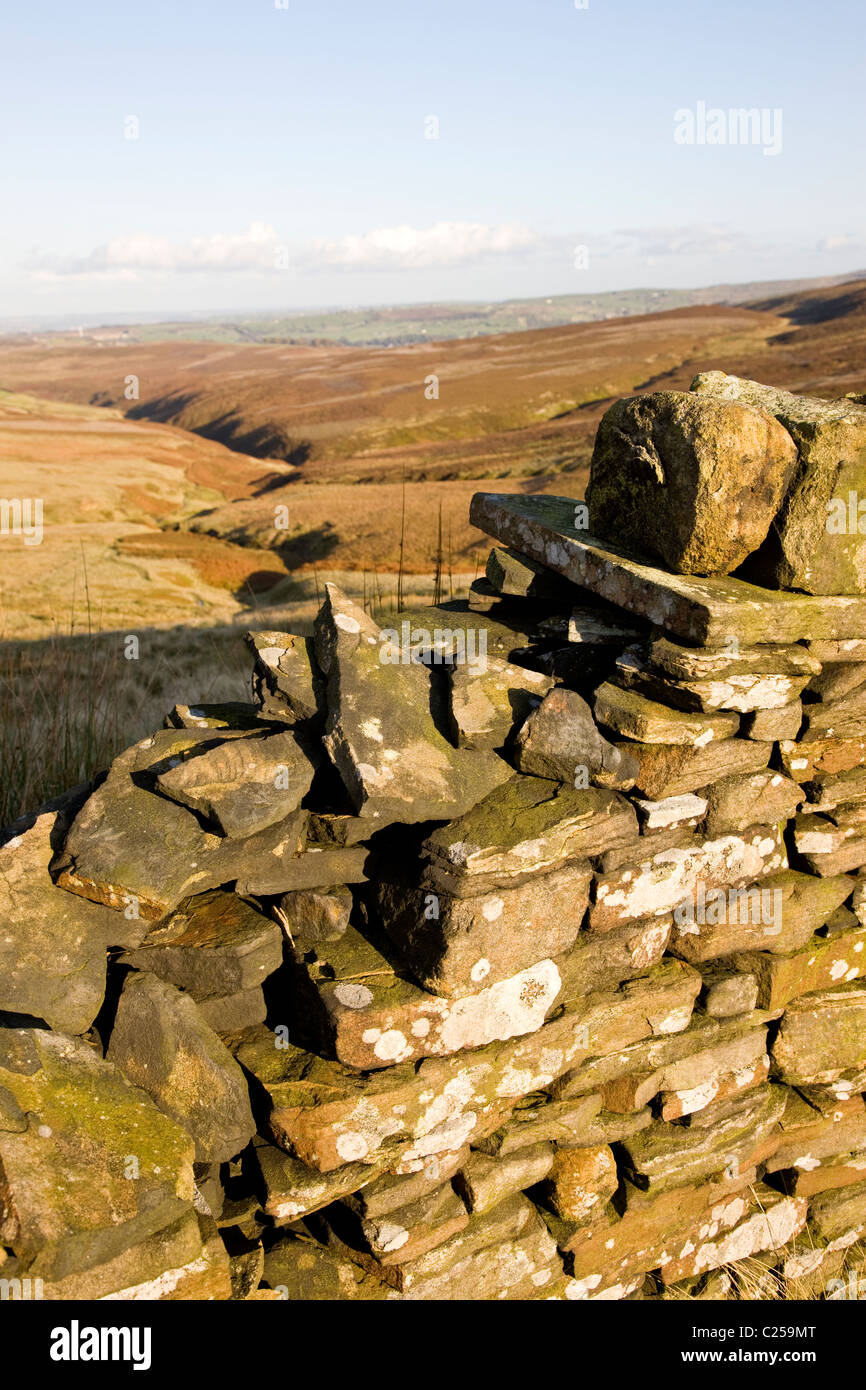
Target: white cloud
<point x="258" y="250"/>
<point x="130" y="257"/>
<point x="445" y="244"/>
<point x="844" y="241"/>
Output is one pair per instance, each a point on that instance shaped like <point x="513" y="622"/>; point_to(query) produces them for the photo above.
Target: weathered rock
<point x="735" y="803"/>
<point x="408" y="1232"/>
<point x="852" y="649"/>
<point x="827" y="847"/>
<point x="286" y="680"/>
<point x="722" y="663"/>
<point x="581" y="1181"/>
<point x="777" y="1222"/>
<point x="825" y="791"/>
<point x="54" y="944"/>
<point x="561" y="740"/>
<point x="278" y="870"/>
<point x="693" y="480"/>
<point x="95" y="1178"/>
<point x="509" y="572"/>
<point x="837" y="679"/>
<point x="672" y="769"/>
<point x="665" y="1156"/>
<point x="838" y="1216"/>
<point x="397" y="1189"/>
<point x="821" y="1036"/>
<point x="316" y="915"/>
<point x="211" y="945"/>
<point x="603" y="626"/>
<point x="525" y="828"/>
<point x="805" y="760"/>
<point x="633" y="716"/>
<point x="230" y="714"/>
<point x="670" y="879"/>
<point x="485" y="1180"/>
<point x="728" y="990"/>
<point x="484" y="706"/>
<point x="301" y="1271"/>
<point x="244" y="784"/>
<point x="455" y="944"/>
<point x="845" y="718"/>
<point x="742" y="693"/>
<point x="602" y="960"/>
<point x="671" y="813"/>
<point x="328" y="1116"/>
<point x="293" y="1190"/>
<point x="779" y="914"/>
<point x="551" y="1121"/>
<point x="141" y="854"/>
<point x="698" y="611"/>
<point x="772" y="725"/>
<point x="380" y="733"/>
<point x="718" y="1072"/>
<point x="162" y="1044"/>
<point x="230" y="1013"/>
<point x="359" y="1009"/>
<point x="811" y="544"/>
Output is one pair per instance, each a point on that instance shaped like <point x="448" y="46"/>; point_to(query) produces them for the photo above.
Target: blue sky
<point x="282" y="158"/>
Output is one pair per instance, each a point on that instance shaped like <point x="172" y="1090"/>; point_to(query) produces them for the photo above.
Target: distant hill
<point x="398" y="325"/>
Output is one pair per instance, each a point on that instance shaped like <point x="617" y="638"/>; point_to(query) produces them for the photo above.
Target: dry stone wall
<point x="512" y="950"/>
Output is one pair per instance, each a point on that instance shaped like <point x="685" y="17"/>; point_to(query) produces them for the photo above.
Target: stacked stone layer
<point x="511" y="952"/>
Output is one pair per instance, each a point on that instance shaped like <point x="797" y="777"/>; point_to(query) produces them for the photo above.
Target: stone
<point x="525" y="828"/>
<point x="805" y="760"/>
<point x="411" y="1231"/>
<point x="328" y="1116"/>
<point x="695" y="481"/>
<point x="722" y="663"/>
<point x="825" y="791"/>
<point x="772" y="725"/>
<point x="292" y="1190"/>
<point x="838" y="1216"/>
<point x="54" y="944"/>
<point x="811" y="544"/>
<point x="778" y="1221"/>
<point x="396" y="1189"/>
<point x="509" y="572"/>
<point x="560" y="739"/>
<point x="485" y="1180"/>
<point x="485" y="706"/>
<point x="551" y="1121"/>
<point x="211" y="945"/>
<point x="580" y="1182"/>
<point x="779" y="914"/>
<point x="314" y="916"/>
<point x="741" y="693"/>
<point x="829" y="848"/>
<point x="301" y="1271"/>
<point x="287" y="683"/>
<point x="662" y="882"/>
<point x="837" y="679"/>
<point x="242" y="785"/>
<point x="671" y="813"/>
<point x="230" y="714"/>
<point x="700" y="612"/>
<point x="161" y="1043"/>
<point x="821" y="1036"/>
<point x="735" y="803"/>
<point x="729" y="990"/>
<point x="603" y="626"/>
<point x="853" y="649"/>
<point x="845" y="718"/>
<point x="273" y="871"/>
<point x="361" y="1011"/>
<point x="231" y="1013"/>
<point x="633" y="716"/>
<point x="666" y="1156"/>
<point x="92" y="1171"/>
<point x="334" y="830"/>
<point x="600" y="961"/>
<point x="142" y="854"/>
<point x="725" y="1069"/>
<point x="455" y="944"/>
<point x="672" y="769"/>
<point x="379" y="731"/>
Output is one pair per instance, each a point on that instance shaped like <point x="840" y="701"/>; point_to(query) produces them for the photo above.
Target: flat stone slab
<point x="703" y="612"/>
